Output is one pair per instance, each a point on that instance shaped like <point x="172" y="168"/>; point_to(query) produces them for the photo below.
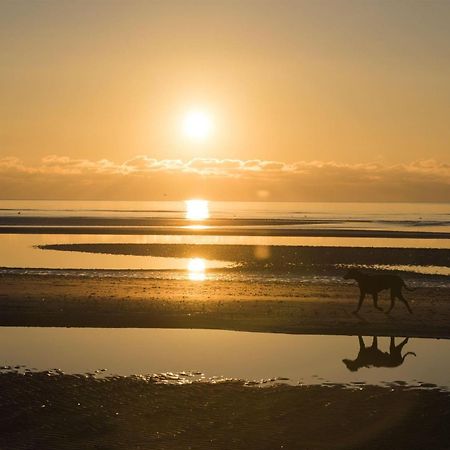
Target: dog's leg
<point x="361" y="299"/>
<point x="375" y="301"/>
<point x="403" y="299"/>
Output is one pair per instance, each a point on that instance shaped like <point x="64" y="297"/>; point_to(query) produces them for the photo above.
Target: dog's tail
<point x="408" y="353"/>
<point x="408" y="288"/>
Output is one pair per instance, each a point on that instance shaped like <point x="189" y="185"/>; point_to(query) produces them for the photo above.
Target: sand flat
<point x="44" y="410"/>
<point x="235" y="305"/>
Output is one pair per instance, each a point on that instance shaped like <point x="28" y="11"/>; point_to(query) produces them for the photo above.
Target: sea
<point x="202" y="240"/>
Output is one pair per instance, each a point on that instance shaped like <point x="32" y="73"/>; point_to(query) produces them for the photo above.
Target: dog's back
<point x="377" y="283"/>
<point x="373" y="284"/>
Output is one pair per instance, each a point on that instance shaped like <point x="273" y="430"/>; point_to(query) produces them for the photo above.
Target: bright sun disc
<point x="197" y="125"/>
<point x="197" y="209"/>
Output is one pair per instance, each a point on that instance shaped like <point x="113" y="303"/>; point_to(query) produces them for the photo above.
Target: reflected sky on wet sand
<point x="307" y="359"/>
<point x="20" y="250"/>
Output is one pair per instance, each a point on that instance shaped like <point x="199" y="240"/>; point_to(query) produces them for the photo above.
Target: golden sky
<point x="325" y="83"/>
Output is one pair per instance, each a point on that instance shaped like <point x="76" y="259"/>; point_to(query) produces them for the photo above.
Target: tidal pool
<point x="293" y="359"/>
<point x="21" y="251"/>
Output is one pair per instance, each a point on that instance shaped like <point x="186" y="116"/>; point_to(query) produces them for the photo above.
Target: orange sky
<point x="332" y="84"/>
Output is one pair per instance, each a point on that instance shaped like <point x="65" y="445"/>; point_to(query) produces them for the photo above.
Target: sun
<point x="197" y="125"/>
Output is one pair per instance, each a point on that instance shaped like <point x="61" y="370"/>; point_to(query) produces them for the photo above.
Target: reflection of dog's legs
<point x="375" y="342"/>
<point x="361" y="298"/>
<point x="375" y="302"/>
<point x="395" y="352"/>
<point x="392" y="347"/>
<point x="362" y="346"/>
<point x="403" y="299"/>
<point x="399" y="346"/>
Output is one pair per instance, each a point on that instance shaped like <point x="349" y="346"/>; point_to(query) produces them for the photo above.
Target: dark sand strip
<point x="45" y="411"/>
<point x="283" y="258"/>
<point x="155" y="221"/>
<point x="226" y="231"/>
<point x="269" y="222"/>
<point x="233" y="305"/>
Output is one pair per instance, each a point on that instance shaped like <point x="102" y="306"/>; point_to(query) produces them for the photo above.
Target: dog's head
<point x="351" y="365"/>
<point x="351" y="274"/>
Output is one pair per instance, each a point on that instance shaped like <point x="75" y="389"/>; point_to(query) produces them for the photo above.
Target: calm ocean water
<point x="169" y="239"/>
<point x="430" y="216"/>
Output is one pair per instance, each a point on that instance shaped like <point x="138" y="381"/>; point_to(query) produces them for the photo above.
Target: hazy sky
<point x="336" y="82"/>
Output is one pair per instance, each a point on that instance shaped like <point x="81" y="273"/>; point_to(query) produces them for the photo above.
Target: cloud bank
<point x="146" y="178"/>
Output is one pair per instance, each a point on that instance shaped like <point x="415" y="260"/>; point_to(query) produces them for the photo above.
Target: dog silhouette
<point x="374" y="284"/>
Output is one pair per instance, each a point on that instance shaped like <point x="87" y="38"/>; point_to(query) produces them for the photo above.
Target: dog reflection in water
<point x="374" y="357"/>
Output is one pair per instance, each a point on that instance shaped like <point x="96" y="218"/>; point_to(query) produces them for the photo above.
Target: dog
<point x="373" y="284"/>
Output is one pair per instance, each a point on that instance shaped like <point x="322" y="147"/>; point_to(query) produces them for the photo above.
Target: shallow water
<point x="160" y="223"/>
<point x="21" y="251"/>
<point x="236" y="218"/>
<point x="217" y="354"/>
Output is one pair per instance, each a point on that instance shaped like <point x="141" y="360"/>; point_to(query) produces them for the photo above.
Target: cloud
<point x="146" y="178"/>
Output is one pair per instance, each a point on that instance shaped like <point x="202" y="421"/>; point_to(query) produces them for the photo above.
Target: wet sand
<point x="58" y="411"/>
<point x="282" y="259"/>
<point x="218" y="231"/>
<point x="18" y="224"/>
<point x="49" y="411"/>
<point x="322" y="308"/>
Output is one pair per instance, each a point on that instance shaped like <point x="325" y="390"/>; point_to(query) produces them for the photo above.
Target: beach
<point x="236" y="331"/>
<point x="224" y="225"/>
<point x="47" y="410"/>
<point x="52" y="409"/>
<point x="310" y="308"/>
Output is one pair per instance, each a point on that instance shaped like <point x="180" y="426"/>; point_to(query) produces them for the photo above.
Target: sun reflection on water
<point x="197" y="209"/>
<point x="197" y="269"/>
